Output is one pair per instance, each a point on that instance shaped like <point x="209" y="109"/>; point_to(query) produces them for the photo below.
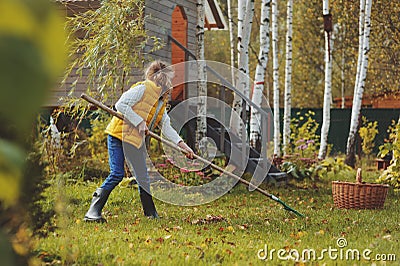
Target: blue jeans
<point x="136" y="158"/>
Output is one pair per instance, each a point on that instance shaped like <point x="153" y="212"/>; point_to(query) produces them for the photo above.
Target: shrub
<point x="303" y="149"/>
<point x="368" y="132"/>
<point x="303" y="138"/>
<point x="391" y="175"/>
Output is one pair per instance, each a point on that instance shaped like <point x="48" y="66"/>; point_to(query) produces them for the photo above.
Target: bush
<point x="391" y="175"/>
<point x="302" y="152"/>
<point x="368" y="132"/>
<point x="303" y="138"/>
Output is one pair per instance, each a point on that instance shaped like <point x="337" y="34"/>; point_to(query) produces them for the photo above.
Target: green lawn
<point x="234" y="230"/>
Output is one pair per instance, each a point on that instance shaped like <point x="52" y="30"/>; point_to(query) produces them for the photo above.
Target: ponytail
<point x="160" y="73"/>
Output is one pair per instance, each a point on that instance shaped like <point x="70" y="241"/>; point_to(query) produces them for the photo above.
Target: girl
<point x="143" y="106"/>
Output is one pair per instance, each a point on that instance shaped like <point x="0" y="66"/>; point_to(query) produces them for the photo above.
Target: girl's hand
<point x="189" y="152"/>
<point x="142" y="127"/>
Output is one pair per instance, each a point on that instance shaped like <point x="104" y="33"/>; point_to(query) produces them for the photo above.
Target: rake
<point x="174" y="146"/>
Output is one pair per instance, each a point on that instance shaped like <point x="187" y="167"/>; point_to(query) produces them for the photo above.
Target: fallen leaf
<point x="231" y="243"/>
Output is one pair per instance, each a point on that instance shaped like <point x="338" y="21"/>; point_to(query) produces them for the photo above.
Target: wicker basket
<point x="359" y="195"/>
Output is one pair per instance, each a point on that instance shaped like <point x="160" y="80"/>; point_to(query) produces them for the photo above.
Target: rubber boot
<point x="99" y="199"/>
<point x="148" y="205"/>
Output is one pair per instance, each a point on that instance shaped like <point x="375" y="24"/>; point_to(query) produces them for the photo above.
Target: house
<point x="376" y="101"/>
<point x="168" y="18"/>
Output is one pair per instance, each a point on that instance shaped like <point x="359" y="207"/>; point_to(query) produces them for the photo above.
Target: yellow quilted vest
<point x="146" y="109"/>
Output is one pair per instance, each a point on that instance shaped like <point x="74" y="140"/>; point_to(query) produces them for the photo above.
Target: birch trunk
<point x="201" y="131"/>
<point x="288" y="78"/>
<point x="241" y="11"/>
<point x="326" y="115"/>
<point x="343" y="67"/>
<point x="360" y="46"/>
<point x="261" y="68"/>
<point x="242" y="81"/>
<point x="275" y="64"/>
<point x="231" y="40"/>
<point x="355" y="112"/>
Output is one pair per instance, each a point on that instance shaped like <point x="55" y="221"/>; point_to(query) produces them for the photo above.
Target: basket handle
<point x="358" y="176"/>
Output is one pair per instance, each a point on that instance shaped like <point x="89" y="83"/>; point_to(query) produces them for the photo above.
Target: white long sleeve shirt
<point x="133" y="96"/>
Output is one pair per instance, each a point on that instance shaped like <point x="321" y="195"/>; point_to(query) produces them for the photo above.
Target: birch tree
<point x="360" y="85"/>
<point x="241" y="9"/>
<point x="326" y="115"/>
<point x="201" y="131"/>
<point x="343" y="74"/>
<point x="261" y="68"/>
<point x="360" y="47"/>
<point x="242" y="81"/>
<point x="288" y="77"/>
<point x="275" y="75"/>
<point x="231" y="39"/>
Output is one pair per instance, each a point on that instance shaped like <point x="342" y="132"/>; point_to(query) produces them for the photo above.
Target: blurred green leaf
<point x="12" y="159"/>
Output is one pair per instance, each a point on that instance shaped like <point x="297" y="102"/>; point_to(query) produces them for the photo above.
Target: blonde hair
<point x="159" y="72"/>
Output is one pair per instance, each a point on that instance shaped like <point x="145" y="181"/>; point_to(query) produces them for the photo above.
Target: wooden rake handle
<point x="171" y="144"/>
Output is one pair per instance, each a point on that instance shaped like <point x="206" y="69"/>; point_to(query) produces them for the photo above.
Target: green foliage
<point x="32" y="58"/>
<point x="315" y="170"/>
<point x="391" y="175"/>
<point x="388" y="147"/>
<point x="304" y="143"/>
<point x="301" y="162"/>
<point x="308" y="54"/>
<point x="368" y="132"/>
<point x="113" y="42"/>
<point x="335" y="166"/>
<point x="34" y="196"/>
<point x="79" y="155"/>
<point x="11" y="165"/>
<point x="303" y="137"/>
<point x="298" y="170"/>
